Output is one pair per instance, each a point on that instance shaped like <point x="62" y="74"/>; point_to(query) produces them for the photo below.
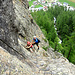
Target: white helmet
<point x="34" y="36"/>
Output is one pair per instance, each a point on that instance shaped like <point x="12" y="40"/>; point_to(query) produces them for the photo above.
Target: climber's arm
<point x="33" y="42"/>
<point x="26" y="46"/>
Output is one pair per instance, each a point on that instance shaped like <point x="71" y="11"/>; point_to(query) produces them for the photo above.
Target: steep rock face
<point x="36" y="65"/>
<point x="15" y="23"/>
<point x="8" y="30"/>
<point x="27" y="27"/>
<point x="16" y="28"/>
<point x="10" y="65"/>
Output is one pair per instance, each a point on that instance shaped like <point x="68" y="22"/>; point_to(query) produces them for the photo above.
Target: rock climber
<point x="29" y="45"/>
<point x="35" y="41"/>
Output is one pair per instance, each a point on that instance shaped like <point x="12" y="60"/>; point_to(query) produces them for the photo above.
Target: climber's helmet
<point x="28" y="42"/>
<point x="34" y="37"/>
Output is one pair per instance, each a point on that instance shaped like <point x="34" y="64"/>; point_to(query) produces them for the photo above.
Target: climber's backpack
<point x="38" y="40"/>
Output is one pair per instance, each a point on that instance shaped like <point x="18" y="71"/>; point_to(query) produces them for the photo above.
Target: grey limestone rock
<point x="16" y="28"/>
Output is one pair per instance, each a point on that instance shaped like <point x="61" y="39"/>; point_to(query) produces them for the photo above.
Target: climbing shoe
<point x="37" y="49"/>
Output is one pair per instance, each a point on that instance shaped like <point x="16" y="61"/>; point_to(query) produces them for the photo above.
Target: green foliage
<point x="31" y="2"/>
<point x="52" y="44"/>
<point x="45" y="40"/>
<point x="65" y="25"/>
<point x="24" y="38"/>
<point x="36" y="6"/>
<point x="45" y="48"/>
<point x="20" y="0"/>
<point x="44" y="32"/>
<point x="68" y="1"/>
<point x="73" y="22"/>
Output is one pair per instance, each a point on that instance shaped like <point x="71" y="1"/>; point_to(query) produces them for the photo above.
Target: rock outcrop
<point x="16" y="28"/>
<point x="10" y="65"/>
<point x="8" y="31"/>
